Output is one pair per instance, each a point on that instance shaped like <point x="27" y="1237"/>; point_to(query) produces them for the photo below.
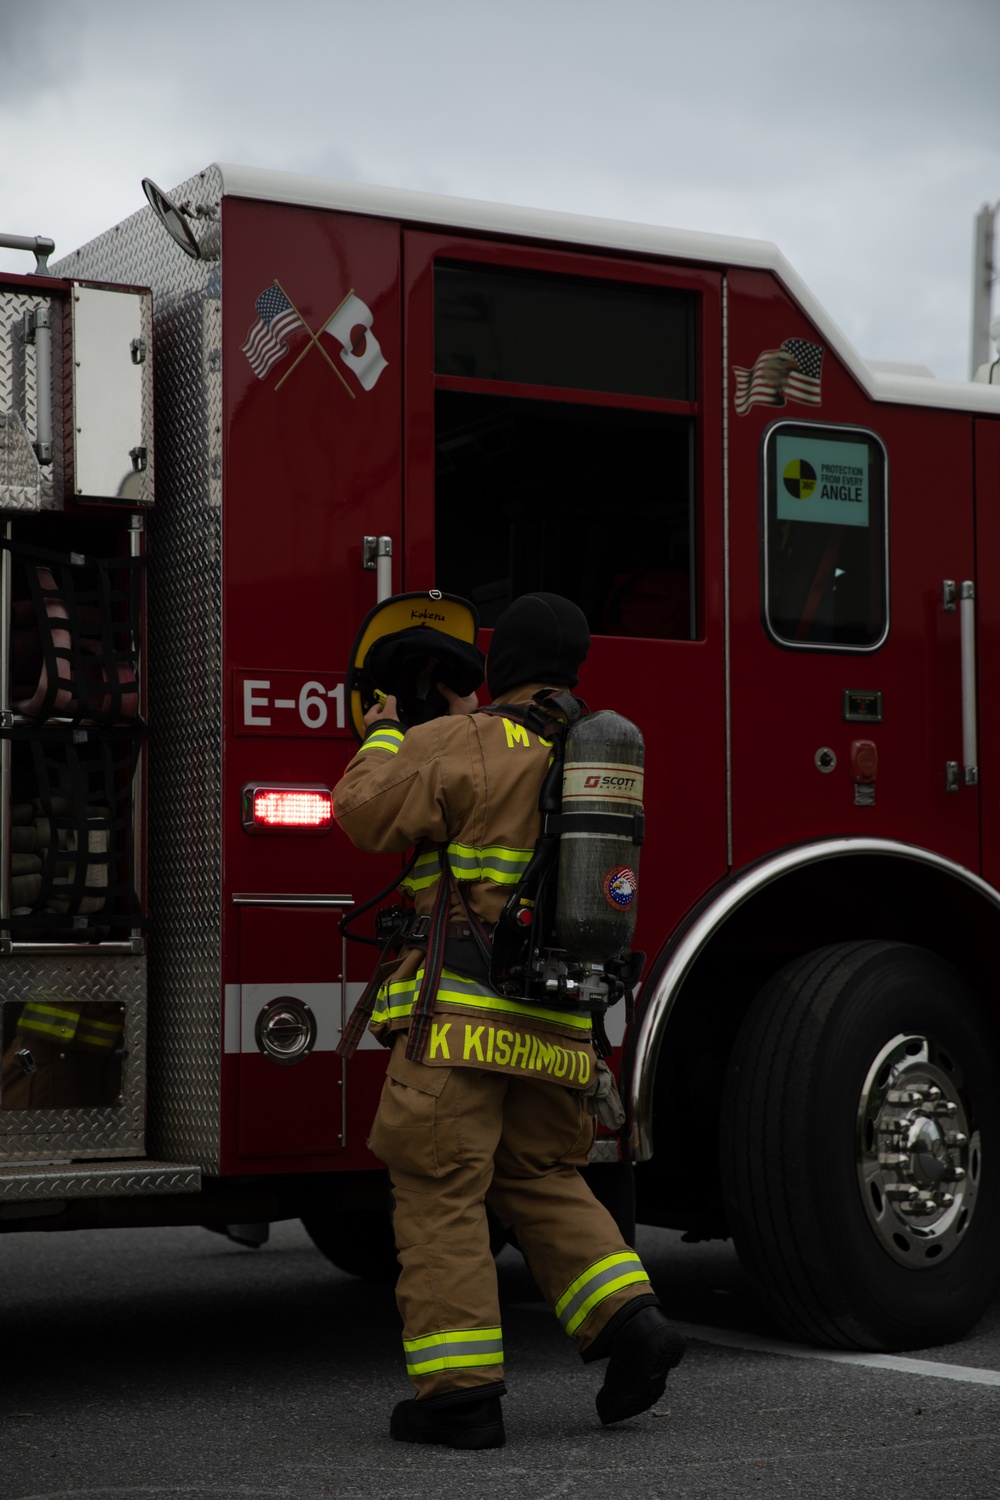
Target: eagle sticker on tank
<point x="619" y="887"/>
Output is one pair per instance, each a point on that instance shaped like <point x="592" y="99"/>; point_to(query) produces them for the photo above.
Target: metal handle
<point x="377" y="555"/>
<point x="285" y="898"/>
<point x="38" y="331"/>
<point x="5" y="742"/>
<point x="965" y="595"/>
<point x="967" y="618"/>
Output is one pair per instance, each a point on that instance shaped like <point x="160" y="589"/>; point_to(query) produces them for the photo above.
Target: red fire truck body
<point x="788" y="559"/>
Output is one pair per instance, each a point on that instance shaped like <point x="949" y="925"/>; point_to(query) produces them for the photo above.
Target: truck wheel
<point x="358" y="1242"/>
<point x="362" y="1244"/>
<point x="860" y="1148"/>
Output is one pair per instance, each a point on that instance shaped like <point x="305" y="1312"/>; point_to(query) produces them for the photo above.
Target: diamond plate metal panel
<point x="19" y="400"/>
<point x="184" y="670"/>
<point x="20" y="479"/>
<point x="61" y="1134"/>
<point x="117" y="1179"/>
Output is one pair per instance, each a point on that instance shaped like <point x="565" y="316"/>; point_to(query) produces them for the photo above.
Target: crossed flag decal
<point x="349" y="325"/>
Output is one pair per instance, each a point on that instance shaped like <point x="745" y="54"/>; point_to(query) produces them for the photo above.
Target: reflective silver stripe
<point x="384" y="739"/>
<point x="424" y="872"/>
<point x="396" y="1000"/>
<point x="443" y="1351"/>
<point x="607" y="1276"/>
<point x="493" y="862"/>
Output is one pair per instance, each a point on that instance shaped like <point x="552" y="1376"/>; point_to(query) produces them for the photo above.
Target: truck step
<point x="23" y="1182"/>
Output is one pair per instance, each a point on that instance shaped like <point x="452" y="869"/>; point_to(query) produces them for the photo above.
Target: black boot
<point x="643" y="1350"/>
<point x="457" y="1419"/>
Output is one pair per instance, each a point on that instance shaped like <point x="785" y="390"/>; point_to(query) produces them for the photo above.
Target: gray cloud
<point x="35" y="49"/>
<point x="860" y="136"/>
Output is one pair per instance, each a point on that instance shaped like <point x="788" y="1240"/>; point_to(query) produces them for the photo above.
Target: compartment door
<point x="290" y="1080"/>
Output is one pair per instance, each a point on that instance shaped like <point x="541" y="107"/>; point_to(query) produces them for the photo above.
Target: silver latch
<point x="285" y="1030"/>
<point x="139" y="457"/>
<point x="374" y="548"/>
<point x="138" y="347"/>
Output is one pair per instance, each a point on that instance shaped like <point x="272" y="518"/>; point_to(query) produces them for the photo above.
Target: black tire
<point x="613" y="1185"/>
<point x="817" y="1154"/>
<point x="360" y="1243"/>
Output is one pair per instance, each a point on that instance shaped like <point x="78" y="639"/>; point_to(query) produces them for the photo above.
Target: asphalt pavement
<point x="173" y="1363"/>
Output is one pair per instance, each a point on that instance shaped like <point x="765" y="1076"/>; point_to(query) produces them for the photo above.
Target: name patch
<point x="483" y="1044"/>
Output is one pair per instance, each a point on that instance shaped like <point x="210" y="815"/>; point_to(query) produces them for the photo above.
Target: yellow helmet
<point x="406" y="645"/>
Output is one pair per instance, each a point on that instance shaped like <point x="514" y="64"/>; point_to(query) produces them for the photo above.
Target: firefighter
<point x="491" y="1106"/>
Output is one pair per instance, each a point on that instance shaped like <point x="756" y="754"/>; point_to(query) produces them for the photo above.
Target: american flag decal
<point x="265" y="344"/>
<point x="791" y="372"/>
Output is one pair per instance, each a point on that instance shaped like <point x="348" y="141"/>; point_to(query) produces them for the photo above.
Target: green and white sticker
<point x="822" y="479"/>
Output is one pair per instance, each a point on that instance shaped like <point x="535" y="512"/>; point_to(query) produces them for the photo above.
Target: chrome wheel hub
<point x="919" y="1165"/>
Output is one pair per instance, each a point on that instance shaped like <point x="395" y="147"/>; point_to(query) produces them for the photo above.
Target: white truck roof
<point x="881" y="380"/>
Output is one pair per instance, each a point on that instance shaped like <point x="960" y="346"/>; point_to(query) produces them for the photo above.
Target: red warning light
<point x="287" y="809"/>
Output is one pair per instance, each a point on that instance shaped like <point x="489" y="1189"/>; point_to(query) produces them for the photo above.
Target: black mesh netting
<point x="71" y="837"/>
<point x="74" y="631"/>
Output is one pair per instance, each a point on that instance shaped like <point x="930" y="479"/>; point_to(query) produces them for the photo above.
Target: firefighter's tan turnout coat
<point x="496" y="1110"/>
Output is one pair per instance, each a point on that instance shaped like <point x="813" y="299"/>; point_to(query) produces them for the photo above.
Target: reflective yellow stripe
<point x="456" y="1349"/>
<point x="397" y="1001"/>
<point x="69" y="1023"/>
<point x="384" y="739"/>
<point x="101" y="1035"/>
<point x="50" y="1020"/>
<point x="493" y="862"/>
<point x="62" y="1012"/>
<point x="595" y="1285"/>
<point x="424" y="873"/>
<point x="113" y="1027"/>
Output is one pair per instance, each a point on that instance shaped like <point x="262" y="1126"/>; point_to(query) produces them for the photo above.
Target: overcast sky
<point x="861" y="136"/>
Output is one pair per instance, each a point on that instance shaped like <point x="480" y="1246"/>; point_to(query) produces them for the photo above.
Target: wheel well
<point x="819" y="903"/>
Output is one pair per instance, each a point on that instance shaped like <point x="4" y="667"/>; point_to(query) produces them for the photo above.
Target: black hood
<point x="539" y="638"/>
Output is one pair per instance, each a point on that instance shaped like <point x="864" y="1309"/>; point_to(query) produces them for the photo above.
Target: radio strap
<point x="360" y="1016"/>
<point x="423" y="1009"/>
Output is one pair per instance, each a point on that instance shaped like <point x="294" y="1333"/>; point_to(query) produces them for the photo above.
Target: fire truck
<point x="790" y="562"/>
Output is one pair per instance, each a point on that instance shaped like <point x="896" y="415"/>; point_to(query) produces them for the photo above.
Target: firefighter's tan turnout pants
<point x="454" y="1139"/>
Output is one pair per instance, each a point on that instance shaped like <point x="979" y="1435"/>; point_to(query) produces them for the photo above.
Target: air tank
<point x="601" y="829"/>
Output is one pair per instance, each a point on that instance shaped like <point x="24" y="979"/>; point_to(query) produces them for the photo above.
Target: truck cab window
<point x="825" y="570"/>
<point x="539" y="487"/>
<point x="495" y="323"/>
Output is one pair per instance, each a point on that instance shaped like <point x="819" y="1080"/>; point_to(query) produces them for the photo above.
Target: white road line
<point x="898" y="1362"/>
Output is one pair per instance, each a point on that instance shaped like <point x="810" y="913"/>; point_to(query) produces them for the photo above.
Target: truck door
<point x="562" y="433"/>
<point x="987" y="439"/>
<point x="847" y="516"/>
